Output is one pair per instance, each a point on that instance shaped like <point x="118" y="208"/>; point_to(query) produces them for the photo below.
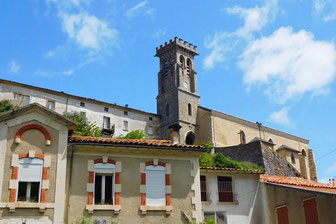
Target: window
<point x="190" y="138"/>
<point x="311" y="213"/>
<point x="82" y="104"/>
<point x="188" y="66"/>
<point x="29" y="180"/>
<point x="242" y="137"/>
<point x="150" y="130"/>
<point x="150" y="118"/>
<point x="26" y="99"/>
<point x="219" y="217"/>
<point x="106" y="123"/>
<point x="106" y="109"/>
<point x="203" y="188"/>
<point x="189" y="109"/>
<point x="155" y="186"/>
<point x="16" y="96"/>
<point x="225" y="193"/>
<point x="292" y="158"/>
<point x="104" y="184"/>
<point x="182" y="61"/>
<point x="125" y="112"/>
<point x="167" y="110"/>
<point x="51" y="104"/>
<point x="282" y="215"/>
<point x="270" y="140"/>
<point x="125" y="125"/>
<point x="304" y="152"/>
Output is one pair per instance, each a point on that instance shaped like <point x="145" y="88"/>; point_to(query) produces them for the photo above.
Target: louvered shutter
<point x="104" y="168"/>
<point x="155" y="186"/>
<point x="30" y="170"/>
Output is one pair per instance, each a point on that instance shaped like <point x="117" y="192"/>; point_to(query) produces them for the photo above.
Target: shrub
<point x="136" y="134"/>
<point x="206" y="160"/>
<point x="6" y="105"/>
<point x="84" y="127"/>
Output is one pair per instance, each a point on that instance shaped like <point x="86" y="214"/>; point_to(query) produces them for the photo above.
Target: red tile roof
<point x="298" y="182"/>
<point x="232" y="169"/>
<point x="142" y="142"/>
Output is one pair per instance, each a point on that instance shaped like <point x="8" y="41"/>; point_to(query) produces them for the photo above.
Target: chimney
<point x="329" y="181"/>
<point x="333" y="181"/>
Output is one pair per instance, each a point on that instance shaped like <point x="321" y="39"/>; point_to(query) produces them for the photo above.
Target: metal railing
<point x="225" y="193"/>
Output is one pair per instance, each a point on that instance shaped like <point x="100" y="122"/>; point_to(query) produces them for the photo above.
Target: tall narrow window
<point x="189" y="109"/>
<point x="104" y="183"/>
<point x="107" y="124"/>
<point x="311" y="212"/>
<point x="125" y="125"/>
<point x="292" y="158"/>
<point x="182" y="61"/>
<point x="242" y="137"/>
<point x="304" y="152"/>
<point x="16" y="96"/>
<point x="155" y="186"/>
<point x="167" y="110"/>
<point x="51" y="104"/>
<point x="282" y="215"/>
<point x="270" y="140"/>
<point x="30" y="179"/>
<point x="26" y="99"/>
<point x="203" y="188"/>
<point x="225" y="193"/>
<point x="188" y="66"/>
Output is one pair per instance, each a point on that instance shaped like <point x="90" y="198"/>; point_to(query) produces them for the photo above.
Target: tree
<point x="136" y="134"/>
<point x="6" y="105"/>
<point x="84" y="127"/>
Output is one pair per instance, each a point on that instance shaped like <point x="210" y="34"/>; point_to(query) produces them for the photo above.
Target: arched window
<point x="190" y="139"/>
<point x="188" y="66"/>
<point x="242" y="137"/>
<point x="167" y="110"/>
<point x="304" y="152"/>
<point x="189" y="109"/>
<point x="270" y="140"/>
<point x="182" y="61"/>
<point x="30" y="179"/>
<point x="292" y="158"/>
<point x="104" y="184"/>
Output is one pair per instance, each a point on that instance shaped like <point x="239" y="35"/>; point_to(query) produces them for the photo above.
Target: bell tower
<point x="178" y="99"/>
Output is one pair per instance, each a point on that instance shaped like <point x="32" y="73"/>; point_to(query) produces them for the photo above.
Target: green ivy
<point x="84" y="127"/>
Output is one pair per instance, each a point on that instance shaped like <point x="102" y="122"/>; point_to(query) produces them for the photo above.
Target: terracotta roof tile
<point x="143" y="142"/>
<point x="298" y="182"/>
<point x="231" y="169"/>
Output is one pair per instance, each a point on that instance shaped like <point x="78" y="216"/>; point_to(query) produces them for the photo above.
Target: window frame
<point x="103" y="190"/>
<point x="232" y="194"/>
<point x="53" y="103"/>
<point x="293" y="159"/>
<point x="109" y="122"/>
<point x="125" y="125"/>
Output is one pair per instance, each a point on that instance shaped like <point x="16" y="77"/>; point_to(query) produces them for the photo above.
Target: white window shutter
<point x="155" y="186"/>
<point x="30" y="170"/>
<point x="104" y="168"/>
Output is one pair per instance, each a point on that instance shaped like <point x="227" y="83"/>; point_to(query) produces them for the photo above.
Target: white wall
<point x="94" y="111"/>
<point x="244" y="185"/>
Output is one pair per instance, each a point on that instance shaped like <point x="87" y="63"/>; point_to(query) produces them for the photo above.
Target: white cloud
<point x="254" y="18"/>
<point x="281" y="117"/>
<point x="326" y="9"/>
<point x="88" y="31"/>
<point x="159" y="33"/>
<point x="48" y="73"/>
<point x="14" y="67"/>
<point x="132" y="12"/>
<point x="50" y="54"/>
<point x="330" y="169"/>
<point x="289" y="64"/>
<point x="221" y="43"/>
<point x="68" y="72"/>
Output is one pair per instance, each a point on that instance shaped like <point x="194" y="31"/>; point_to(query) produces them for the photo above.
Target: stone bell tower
<point x="178" y="99"/>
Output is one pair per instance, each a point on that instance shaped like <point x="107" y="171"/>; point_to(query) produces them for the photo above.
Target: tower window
<point x="167" y="110"/>
<point x="270" y="140"/>
<point x="190" y="139"/>
<point x="188" y="66"/>
<point x="182" y="60"/>
<point x="304" y="152"/>
<point x="292" y="158"/>
<point x="189" y="109"/>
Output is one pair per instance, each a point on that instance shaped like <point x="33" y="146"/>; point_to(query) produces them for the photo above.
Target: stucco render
<point x="181" y="182"/>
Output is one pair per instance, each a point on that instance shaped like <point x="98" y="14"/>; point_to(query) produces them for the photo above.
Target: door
<point x="310" y="209"/>
<point x="282" y="215"/>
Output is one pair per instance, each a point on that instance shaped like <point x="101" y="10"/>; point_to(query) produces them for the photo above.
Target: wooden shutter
<point x="30" y="170"/>
<point x="311" y="213"/>
<point x="282" y="215"/>
<point x="155" y="186"/>
<point x="203" y="188"/>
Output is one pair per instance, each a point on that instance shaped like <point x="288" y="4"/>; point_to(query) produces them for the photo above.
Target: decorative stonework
<point x="13" y="183"/>
<point x="144" y="208"/>
<point x="90" y="207"/>
<point x="33" y="126"/>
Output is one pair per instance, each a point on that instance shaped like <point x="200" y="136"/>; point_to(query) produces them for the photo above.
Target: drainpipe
<point x="70" y="177"/>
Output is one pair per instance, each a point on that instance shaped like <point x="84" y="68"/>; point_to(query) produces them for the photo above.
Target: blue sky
<point x="267" y="61"/>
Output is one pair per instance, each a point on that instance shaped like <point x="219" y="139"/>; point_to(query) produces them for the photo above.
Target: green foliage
<point x="207" y="145"/>
<point x="209" y="221"/>
<point x="84" y="128"/>
<point x="219" y="160"/>
<point x="6" y="105"/>
<point x="136" y="134"/>
<point x="84" y="220"/>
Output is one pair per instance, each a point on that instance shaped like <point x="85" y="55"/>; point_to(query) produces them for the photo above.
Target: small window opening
<point x="242" y="137"/>
<point x="188" y="66"/>
<point x="106" y="109"/>
<point x="189" y="109"/>
<point x="150" y="118"/>
<point x="292" y="158"/>
<point x="167" y="110"/>
<point x="304" y="152"/>
<point x="190" y="139"/>
<point x="82" y="104"/>
<point x="270" y="140"/>
<point x="182" y="60"/>
<point x="125" y="112"/>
